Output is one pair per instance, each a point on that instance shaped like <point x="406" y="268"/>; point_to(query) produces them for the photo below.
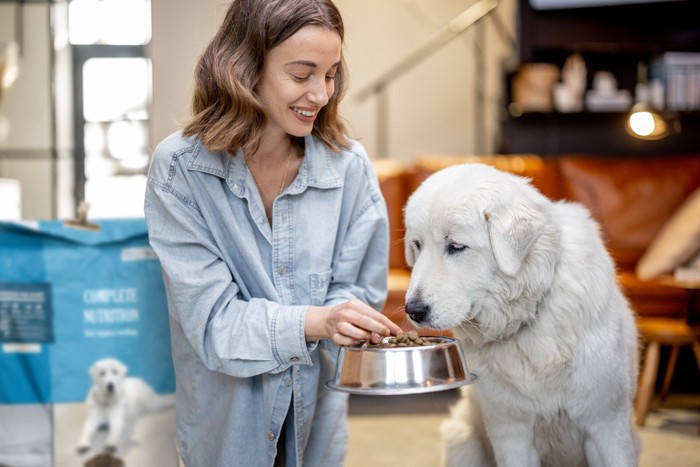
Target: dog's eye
<point x="454" y="248"/>
<point x="416" y="245"/>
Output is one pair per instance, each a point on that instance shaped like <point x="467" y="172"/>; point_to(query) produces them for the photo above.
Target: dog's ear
<point x="92" y="371"/>
<point x="409" y="254"/>
<point x="513" y="229"/>
<point x="120" y="367"/>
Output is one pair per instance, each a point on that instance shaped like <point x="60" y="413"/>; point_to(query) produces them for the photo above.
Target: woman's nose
<point x="320" y="92"/>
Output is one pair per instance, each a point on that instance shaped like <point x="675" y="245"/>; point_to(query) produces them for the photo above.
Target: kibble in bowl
<point x="402" y="364"/>
<point x="402" y="339"/>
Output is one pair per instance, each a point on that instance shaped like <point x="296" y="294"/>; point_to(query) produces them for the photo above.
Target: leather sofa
<point x="631" y="198"/>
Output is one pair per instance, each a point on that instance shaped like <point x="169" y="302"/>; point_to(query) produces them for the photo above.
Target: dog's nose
<point x="417" y="310"/>
<point x="110" y="388"/>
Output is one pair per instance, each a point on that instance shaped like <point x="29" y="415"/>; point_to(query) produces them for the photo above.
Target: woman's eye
<point x="330" y="78"/>
<point x="299" y="78"/>
<point x="454" y="248"/>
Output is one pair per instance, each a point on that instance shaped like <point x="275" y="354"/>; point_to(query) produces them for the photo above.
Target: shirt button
<point x="271" y="436"/>
<point x="288" y="381"/>
<point x="282" y="270"/>
<point x="237" y="186"/>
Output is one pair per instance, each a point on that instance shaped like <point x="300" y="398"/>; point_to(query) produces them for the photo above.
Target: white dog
<point x="115" y="401"/>
<point x="530" y="291"/>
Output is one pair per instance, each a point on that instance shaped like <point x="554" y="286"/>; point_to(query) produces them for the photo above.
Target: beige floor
<point x="151" y="443"/>
<point x="670" y="437"/>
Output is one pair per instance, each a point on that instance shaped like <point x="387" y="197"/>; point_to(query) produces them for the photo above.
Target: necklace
<point x="267" y="203"/>
<point x="286" y="171"/>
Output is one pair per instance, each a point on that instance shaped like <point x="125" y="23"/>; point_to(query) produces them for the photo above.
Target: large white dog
<point x="115" y="402"/>
<point x="530" y="290"/>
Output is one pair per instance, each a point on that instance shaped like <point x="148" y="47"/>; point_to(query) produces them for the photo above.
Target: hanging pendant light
<point x="644" y="122"/>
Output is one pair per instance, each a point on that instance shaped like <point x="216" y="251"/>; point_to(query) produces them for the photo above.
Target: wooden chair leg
<point x="696" y="351"/>
<point x="647" y="380"/>
<point x="668" y="376"/>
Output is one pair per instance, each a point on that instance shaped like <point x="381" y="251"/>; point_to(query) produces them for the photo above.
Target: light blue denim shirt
<point x="238" y="291"/>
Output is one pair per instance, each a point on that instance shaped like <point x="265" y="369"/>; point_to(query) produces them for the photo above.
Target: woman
<point x="273" y="239"/>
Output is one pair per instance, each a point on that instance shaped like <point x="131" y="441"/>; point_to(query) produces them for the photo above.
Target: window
<point x="112" y="95"/>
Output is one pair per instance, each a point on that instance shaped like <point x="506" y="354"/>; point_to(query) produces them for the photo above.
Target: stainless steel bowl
<point x="438" y="366"/>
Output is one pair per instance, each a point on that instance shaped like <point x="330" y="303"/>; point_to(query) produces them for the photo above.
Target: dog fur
<point x="528" y="287"/>
<point x="115" y="402"/>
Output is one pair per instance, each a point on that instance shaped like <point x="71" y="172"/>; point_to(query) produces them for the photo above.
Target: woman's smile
<point x="299" y="75"/>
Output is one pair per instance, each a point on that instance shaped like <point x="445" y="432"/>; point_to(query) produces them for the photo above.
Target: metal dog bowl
<point x="368" y="370"/>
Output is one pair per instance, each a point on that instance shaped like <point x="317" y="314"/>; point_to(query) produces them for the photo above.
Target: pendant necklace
<point x="281" y="188"/>
<point x="286" y="171"/>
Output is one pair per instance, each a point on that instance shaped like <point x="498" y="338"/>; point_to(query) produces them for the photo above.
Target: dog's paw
<point x="110" y="449"/>
<point x="82" y="449"/>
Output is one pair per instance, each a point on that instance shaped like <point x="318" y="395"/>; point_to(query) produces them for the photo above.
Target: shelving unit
<point x="597" y="133"/>
<point x="610" y="38"/>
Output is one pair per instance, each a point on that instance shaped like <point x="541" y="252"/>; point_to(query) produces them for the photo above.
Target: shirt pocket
<point x="318" y="286"/>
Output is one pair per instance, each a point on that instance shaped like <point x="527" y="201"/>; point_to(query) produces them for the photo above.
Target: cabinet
<point x="614" y="38"/>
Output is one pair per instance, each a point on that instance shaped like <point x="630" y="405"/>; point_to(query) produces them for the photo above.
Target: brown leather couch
<point x="631" y="198"/>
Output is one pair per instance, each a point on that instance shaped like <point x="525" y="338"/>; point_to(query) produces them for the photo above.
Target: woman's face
<point x="297" y="80"/>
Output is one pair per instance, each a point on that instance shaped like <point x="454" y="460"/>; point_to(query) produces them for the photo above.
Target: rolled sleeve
<point x="286" y="334"/>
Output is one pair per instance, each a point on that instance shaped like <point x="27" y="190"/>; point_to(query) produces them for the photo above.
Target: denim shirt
<point x="238" y="291"/>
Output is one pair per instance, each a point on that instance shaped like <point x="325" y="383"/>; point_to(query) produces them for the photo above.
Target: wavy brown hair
<point x="227" y="113"/>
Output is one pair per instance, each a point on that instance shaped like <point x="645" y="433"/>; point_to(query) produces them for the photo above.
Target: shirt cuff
<point x="288" y="338"/>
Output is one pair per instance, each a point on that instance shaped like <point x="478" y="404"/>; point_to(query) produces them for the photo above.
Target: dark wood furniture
<point x="674" y="332"/>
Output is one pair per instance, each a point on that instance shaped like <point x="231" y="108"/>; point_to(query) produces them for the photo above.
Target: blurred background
<point x="597" y="100"/>
<point x="90" y="86"/>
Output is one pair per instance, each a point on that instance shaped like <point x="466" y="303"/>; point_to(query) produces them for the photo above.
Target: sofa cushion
<point x="630" y="198"/>
<point x="653" y="297"/>
<point x="543" y="172"/>
<point x="677" y="242"/>
<point x="393" y="179"/>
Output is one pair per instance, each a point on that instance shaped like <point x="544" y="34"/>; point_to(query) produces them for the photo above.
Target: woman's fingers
<point x="348" y="323"/>
<point x="375" y="338"/>
<point x="376" y="322"/>
<point x="344" y="341"/>
<point x="361" y="322"/>
<point x="372" y="326"/>
<point x="354" y="332"/>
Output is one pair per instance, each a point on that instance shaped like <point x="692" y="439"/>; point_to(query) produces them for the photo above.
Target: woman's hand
<point x="348" y="324"/>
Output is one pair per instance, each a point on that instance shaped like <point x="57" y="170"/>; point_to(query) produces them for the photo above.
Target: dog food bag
<point x="85" y="364"/>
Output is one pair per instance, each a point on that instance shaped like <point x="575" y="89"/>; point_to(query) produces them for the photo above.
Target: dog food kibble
<point x="403" y="339"/>
<point x="104" y="460"/>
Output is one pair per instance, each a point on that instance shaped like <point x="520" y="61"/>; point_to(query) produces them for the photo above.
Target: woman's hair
<point x="227" y="113"/>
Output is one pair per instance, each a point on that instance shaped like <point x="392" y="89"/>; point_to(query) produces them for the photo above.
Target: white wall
<point x="25" y="151"/>
<point x="26" y="103"/>
<point x="431" y="108"/>
<point x="181" y="30"/>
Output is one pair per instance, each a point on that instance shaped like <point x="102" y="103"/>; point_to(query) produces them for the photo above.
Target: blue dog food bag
<point x="83" y="327"/>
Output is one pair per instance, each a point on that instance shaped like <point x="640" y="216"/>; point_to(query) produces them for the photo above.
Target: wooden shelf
<point x="597" y="133"/>
<point x="610" y="38"/>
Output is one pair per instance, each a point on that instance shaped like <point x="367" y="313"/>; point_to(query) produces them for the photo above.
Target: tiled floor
<point x="404" y="431"/>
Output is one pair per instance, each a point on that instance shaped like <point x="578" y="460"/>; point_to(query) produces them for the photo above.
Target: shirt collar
<point x="317" y="169"/>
